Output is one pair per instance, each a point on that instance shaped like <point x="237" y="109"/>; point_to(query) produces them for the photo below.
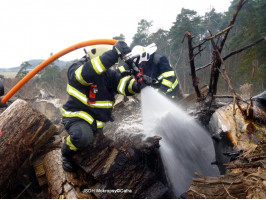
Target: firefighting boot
<point x="67" y="160"/>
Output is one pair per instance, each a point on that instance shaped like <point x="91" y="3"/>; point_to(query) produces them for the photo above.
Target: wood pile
<point x="245" y="178"/>
<point x="122" y="169"/>
<point x="129" y="167"/>
<point x="125" y="165"/>
<point x="240" y="145"/>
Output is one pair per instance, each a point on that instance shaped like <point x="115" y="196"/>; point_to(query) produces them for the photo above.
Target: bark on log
<point x="126" y="168"/>
<point x="24" y="131"/>
<point x="129" y="166"/>
<point x="59" y="185"/>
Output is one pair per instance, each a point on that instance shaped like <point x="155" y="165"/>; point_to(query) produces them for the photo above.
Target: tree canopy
<point x="248" y="66"/>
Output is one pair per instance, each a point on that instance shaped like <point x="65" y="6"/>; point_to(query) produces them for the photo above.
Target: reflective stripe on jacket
<point x="82" y="75"/>
<point x="159" y="68"/>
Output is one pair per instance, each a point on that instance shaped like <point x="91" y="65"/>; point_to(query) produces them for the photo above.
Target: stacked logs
<point x="129" y="167"/>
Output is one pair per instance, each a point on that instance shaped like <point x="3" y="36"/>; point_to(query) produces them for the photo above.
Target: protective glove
<point x="147" y="80"/>
<point x="144" y="81"/>
<point x="121" y="48"/>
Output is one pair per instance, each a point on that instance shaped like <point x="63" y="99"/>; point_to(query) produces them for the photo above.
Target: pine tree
<point x="23" y="70"/>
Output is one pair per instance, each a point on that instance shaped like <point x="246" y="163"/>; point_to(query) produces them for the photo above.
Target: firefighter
<point x="91" y="88"/>
<point x="157" y="66"/>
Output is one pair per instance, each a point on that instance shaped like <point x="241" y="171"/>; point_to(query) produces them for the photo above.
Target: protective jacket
<point x="92" y="87"/>
<point x="158" y="67"/>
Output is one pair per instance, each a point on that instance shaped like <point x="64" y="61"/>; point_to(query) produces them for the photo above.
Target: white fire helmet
<point x="143" y="52"/>
<point x="98" y="50"/>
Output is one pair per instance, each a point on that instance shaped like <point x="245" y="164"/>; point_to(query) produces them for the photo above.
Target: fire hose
<point x="54" y="57"/>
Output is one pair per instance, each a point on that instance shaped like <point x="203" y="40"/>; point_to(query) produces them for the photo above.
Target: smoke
<point x="186" y="147"/>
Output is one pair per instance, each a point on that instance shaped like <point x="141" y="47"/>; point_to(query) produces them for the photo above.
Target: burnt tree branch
<point x="244" y="48"/>
<point x="228" y="81"/>
<point x="204" y="66"/>
<point x="199" y="52"/>
<point x="212" y="37"/>
<point x="199" y="45"/>
<point x="216" y="64"/>
<point x="195" y="79"/>
<point x="239" y="6"/>
<point x="234" y="52"/>
<point x="219" y="33"/>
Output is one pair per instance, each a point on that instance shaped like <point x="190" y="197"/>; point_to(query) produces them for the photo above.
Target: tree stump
<point x="24" y="131"/>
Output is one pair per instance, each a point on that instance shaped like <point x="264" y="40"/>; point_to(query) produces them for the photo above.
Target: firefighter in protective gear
<point x="91" y="88"/>
<point x="157" y="66"/>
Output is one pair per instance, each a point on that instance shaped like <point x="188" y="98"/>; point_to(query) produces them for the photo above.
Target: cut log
<point x="59" y="186"/>
<point x="24" y="131"/>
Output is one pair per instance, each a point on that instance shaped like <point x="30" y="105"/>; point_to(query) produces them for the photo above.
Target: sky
<point x="32" y="29"/>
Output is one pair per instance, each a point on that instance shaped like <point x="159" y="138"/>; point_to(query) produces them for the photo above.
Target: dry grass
<point x="8" y="74"/>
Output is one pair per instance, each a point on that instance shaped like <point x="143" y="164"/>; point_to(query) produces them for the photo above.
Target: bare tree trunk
<point x="195" y="79"/>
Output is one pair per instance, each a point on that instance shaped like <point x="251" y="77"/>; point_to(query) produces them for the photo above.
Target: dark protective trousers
<point x="80" y="137"/>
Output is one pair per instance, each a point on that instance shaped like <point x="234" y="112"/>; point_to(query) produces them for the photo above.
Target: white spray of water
<point x="186" y="147"/>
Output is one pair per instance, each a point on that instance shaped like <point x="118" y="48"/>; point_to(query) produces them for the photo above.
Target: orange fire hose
<point x="52" y="59"/>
